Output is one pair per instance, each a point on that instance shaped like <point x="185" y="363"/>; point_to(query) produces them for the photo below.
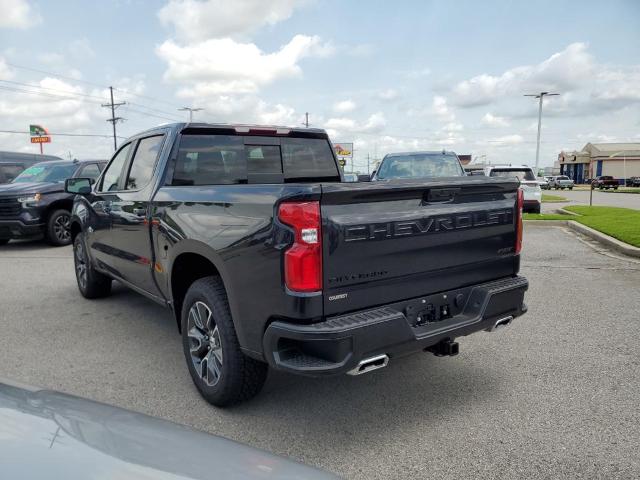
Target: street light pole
<point x="190" y="110"/>
<point x="540" y="96"/>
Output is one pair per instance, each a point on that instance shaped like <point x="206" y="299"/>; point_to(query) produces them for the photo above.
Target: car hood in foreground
<point x="46" y="434"/>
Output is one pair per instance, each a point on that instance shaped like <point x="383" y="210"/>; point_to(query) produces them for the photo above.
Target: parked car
<point x="35" y="202"/>
<point x="633" y="182"/>
<point x="407" y="165"/>
<point x="605" y="182"/>
<point x="544" y="183"/>
<point x="528" y="183"/>
<point x="267" y="258"/>
<point x="13" y="163"/>
<point x="560" y="182"/>
<point x="49" y="434"/>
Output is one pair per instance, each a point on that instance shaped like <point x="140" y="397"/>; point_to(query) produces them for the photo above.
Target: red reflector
<point x="303" y="260"/>
<point x="519" y="207"/>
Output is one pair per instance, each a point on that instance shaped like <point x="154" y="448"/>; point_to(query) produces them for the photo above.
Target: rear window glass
<point x="210" y="160"/>
<point x="308" y="158"/>
<point x="225" y="159"/>
<point x="420" y="166"/>
<point x="520" y="174"/>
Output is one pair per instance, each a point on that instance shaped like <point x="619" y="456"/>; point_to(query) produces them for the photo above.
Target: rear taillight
<point x="519" y="207"/>
<point x="303" y="260"/>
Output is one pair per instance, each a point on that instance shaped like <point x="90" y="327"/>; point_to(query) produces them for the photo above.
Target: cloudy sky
<point x="389" y="76"/>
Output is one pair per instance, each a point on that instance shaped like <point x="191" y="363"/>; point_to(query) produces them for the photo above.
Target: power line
<point x="54" y="74"/>
<point x="53" y="89"/>
<point x="113" y="118"/>
<point x="26" y="132"/>
<point x="45" y="94"/>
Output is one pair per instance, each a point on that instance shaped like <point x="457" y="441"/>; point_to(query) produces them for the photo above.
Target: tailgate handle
<point x="441" y="194"/>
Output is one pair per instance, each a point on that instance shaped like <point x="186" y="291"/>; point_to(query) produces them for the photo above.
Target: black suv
<point x="35" y="201"/>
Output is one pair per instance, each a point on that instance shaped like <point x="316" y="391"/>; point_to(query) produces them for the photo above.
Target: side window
<point x="90" y="171"/>
<point x="111" y="177"/>
<point x="143" y="163"/>
<point x="210" y="160"/>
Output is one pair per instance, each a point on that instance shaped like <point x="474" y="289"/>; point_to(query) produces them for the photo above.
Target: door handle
<point x="141" y="212"/>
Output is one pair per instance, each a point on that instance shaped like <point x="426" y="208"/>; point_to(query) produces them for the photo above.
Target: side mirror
<point x="77" y="186"/>
<point x="364" y="178"/>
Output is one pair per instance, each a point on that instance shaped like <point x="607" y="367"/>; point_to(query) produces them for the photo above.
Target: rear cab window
<point x="419" y="165"/>
<point x="519" y="173"/>
<point x="213" y="159"/>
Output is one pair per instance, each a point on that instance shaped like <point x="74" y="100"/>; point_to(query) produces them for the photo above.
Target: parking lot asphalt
<point x="604" y="199"/>
<point x="555" y="395"/>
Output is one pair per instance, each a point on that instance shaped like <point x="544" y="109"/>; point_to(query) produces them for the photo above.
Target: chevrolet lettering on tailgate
<point x="378" y="231"/>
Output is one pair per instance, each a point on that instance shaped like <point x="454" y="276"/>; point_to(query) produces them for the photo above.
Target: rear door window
<point x="520" y="174"/>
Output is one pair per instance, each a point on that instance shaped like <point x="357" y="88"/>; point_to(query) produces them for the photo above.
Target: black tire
<point x="4" y="241"/>
<point x="210" y="338"/>
<point x="58" y="232"/>
<point x="92" y="284"/>
<point x="535" y="209"/>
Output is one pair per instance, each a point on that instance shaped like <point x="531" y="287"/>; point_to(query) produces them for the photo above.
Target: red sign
<point x="40" y="139"/>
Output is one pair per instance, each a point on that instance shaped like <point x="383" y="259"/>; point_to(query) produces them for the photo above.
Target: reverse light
<point x="303" y="260"/>
<point x="519" y="207"/>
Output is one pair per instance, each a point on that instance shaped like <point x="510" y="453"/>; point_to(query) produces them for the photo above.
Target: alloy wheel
<point x="62" y="228"/>
<point x="81" y="264"/>
<point x="205" y="345"/>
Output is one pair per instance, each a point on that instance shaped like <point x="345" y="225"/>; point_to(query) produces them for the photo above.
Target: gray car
<point x="47" y="434"/>
<point x="561" y="182"/>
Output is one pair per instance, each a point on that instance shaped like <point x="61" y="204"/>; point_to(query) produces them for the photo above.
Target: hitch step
<point x="445" y="348"/>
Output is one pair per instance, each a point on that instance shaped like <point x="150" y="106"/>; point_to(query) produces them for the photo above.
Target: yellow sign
<point x="343" y="149"/>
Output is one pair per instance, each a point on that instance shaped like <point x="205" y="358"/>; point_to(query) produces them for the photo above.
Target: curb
<point x="602" y="238"/>
<point x="605" y="239"/>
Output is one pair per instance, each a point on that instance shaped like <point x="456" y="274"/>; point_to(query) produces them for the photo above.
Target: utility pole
<point x="190" y="110"/>
<point x="306" y="119"/>
<point x="540" y="96"/>
<point x="113" y="118"/>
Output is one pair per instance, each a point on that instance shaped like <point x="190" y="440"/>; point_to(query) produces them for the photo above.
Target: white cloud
<point x="388" y="95"/>
<point x="491" y="120"/>
<point x="564" y="71"/>
<point x="344" y="106"/>
<point x="18" y="14"/>
<point x="375" y="123"/>
<point x="441" y="109"/>
<point x="5" y="72"/>
<point x="507" y="140"/>
<point x="81" y="49"/>
<point x="223" y="66"/>
<point x="198" y="20"/>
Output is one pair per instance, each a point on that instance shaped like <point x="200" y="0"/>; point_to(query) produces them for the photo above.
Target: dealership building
<point x="619" y="160"/>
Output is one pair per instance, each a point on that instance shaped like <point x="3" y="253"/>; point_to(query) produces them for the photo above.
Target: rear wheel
<point x="221" y="372"/>
<point x="58" y="231"/>
<point x="4" y="241"/>
<point x="92" y="284"/>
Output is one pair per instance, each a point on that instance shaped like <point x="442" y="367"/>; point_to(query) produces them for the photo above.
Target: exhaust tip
<point x="370" y="364"/>
<point x="503" y="322"/>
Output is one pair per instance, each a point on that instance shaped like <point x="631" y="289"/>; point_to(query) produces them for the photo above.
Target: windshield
<point x="46" y="173"/>
<point x="563" y="178"/>
<point x="519" y="173"/>
<point x="420" y="166"/>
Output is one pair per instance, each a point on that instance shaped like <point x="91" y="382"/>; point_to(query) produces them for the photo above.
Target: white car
<point x="528" y="183"/>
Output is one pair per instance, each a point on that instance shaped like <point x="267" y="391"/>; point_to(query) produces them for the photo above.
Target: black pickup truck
<point x="267" y="258"/>
<point x="35" y="203"/>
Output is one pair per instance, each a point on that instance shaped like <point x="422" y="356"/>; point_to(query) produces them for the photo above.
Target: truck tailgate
<point x="389" y="241"/>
